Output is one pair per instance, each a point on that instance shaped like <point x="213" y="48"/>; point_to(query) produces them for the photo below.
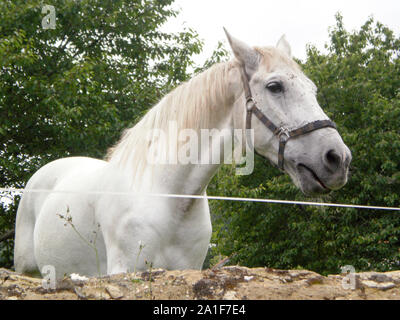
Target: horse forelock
<point x="272" y="57"/>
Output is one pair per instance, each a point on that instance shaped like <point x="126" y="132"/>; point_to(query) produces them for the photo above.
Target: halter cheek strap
<point x="282" y="133"/>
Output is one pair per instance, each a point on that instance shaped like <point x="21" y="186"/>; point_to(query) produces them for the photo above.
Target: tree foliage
<point x="358" y="80"/>
<point x="71" y="90"/>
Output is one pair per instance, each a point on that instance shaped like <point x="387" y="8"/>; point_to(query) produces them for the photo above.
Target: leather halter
<point x="282" y="133"/>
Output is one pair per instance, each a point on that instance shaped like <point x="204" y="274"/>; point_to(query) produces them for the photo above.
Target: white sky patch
<point x="262" y="22"/>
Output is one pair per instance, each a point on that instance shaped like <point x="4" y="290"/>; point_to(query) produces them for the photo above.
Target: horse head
<point x="278" y="101"/>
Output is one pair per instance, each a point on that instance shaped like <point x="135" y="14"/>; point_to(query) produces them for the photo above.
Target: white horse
<point x="86" y="231"/>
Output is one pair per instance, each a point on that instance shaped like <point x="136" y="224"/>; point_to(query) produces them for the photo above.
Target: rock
<point x="395" y="275"/>
<point x="248" y="278"/>
<point x="15" y="290"/>
<point x="230" y="295"/>
<point x="378" y="277"/>
<point x="377" y="285"/>
<point x="114" y="292"/>
<point x="315" y="280"/>
<point x="375" y="276"/>
<point x="285" y="279"/>
<point x="298" y="273"/>
<point x="80" y="294"/>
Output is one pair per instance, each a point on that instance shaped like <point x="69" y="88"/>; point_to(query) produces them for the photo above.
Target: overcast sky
<point x="262" y="22"/>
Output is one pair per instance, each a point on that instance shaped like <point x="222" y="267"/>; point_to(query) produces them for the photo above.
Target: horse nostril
<point x="332" y="160"/>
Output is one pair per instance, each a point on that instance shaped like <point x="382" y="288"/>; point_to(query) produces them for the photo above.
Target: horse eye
<point x="275" y="87"/>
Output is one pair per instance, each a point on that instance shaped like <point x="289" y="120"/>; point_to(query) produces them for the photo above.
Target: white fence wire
<point x="185" y="196"/>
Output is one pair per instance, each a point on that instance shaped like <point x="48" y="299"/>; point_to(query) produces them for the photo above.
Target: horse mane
<point x="190" y="105"/>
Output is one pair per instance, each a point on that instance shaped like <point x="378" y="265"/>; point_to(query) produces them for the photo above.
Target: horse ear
<point x="246" y="55"/>
<point x="284" y="45"/>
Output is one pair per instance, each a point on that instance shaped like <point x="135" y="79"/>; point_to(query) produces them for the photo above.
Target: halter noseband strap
<point x="282" y="133"/>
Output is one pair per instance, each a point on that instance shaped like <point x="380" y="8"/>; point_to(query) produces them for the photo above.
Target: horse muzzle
<point x="321" y="171"/>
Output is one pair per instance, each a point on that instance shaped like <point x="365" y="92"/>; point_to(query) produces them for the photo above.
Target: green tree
<point x="358" y="80"/>
<point x="71" y="90"/>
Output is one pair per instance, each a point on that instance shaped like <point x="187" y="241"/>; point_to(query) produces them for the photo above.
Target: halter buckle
<point x="250" y="103"/>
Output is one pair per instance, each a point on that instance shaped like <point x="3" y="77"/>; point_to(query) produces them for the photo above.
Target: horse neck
<point x="193" y="178"/>
<point x="205" y="102"/>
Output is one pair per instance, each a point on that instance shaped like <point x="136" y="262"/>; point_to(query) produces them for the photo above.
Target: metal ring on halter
<point x="248" y="101"/>
<point x="283" y="134"/>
